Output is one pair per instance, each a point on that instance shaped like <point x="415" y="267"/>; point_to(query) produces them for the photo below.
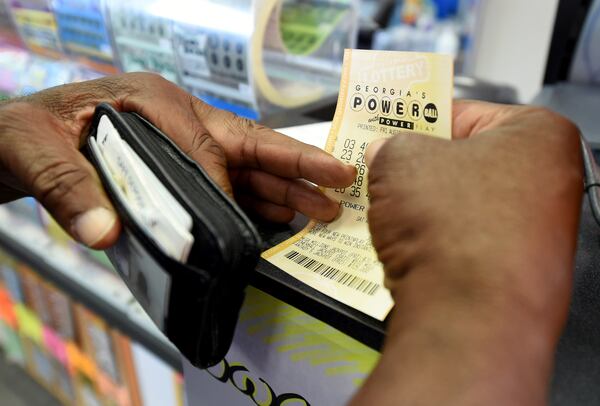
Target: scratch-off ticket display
<point x="143" y="40"/>
<point x="37" y="26"/>
<point x="82" y="28"/>
<point x="382" y="94"/>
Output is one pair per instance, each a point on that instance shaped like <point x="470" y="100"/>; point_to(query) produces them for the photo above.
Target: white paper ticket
<point x="150" y="203"/>
<point x="382" y="93"/>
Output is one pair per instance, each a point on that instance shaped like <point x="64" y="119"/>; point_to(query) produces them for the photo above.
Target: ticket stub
<point x="382" y="93"/>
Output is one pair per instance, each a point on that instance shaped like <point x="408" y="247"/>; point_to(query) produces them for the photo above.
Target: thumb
<point x="62" y="180"/>
<point x="69" y="188"/>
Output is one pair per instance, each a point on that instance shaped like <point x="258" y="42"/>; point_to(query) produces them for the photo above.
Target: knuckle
<point x="199" y="107"/>
<point x="378" y="188"/>
<point x="148" y="83"/>
<point x="564" y="142"/>
<point x="199" y="140"/>
<point x="202" y="143"/>
<point x="236" y="134"/>
<point x="569" y="134"/>
<point x="378" y="172"/>
<point x="238" y="127"/>
<point x="55" y="182"/>
<point x="566" y="132"/>
<point x="145" y="77"/>
<point x="249" y="151"/>
<point x="393" y="164"/>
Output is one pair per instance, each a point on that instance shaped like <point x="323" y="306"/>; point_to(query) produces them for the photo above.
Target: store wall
<point x="512" y="43"/>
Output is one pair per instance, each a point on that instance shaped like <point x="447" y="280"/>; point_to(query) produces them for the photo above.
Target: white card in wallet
<point x="150" y="203"/>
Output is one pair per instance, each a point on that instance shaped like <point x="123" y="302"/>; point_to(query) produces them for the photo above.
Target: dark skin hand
<point x="267" y="172"/>
<point x="477" y="236"/>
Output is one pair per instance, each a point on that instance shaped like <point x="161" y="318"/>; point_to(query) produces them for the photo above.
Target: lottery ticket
<point x="382" y="93"/>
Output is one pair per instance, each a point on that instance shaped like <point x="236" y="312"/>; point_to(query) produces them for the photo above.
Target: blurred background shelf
<point x="100" y="347"/>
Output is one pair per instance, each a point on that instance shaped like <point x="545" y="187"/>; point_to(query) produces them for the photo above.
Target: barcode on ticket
<point x="335" y="274"/>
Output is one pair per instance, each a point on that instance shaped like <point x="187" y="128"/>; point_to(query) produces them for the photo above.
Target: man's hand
<point x="477" y="237"/>
<point x="40" y="137"/>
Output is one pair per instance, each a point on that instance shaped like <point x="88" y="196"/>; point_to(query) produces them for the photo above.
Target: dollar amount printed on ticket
<point x="382" y="93"/>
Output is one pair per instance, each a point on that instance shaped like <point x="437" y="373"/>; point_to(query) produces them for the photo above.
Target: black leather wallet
<point x="196" y="304"/>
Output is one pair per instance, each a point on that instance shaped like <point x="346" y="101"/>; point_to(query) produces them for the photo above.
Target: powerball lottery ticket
<point x="382" y="93"/>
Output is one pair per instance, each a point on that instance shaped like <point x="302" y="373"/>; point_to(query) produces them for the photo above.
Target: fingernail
<point x="93" y="225"/>
<point x="372" y="150"/>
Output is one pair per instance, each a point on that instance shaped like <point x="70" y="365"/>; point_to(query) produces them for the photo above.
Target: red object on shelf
<point x="7" y="313"/>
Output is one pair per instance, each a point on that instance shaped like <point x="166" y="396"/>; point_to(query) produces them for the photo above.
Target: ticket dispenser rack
<point x="252" y="57"/>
